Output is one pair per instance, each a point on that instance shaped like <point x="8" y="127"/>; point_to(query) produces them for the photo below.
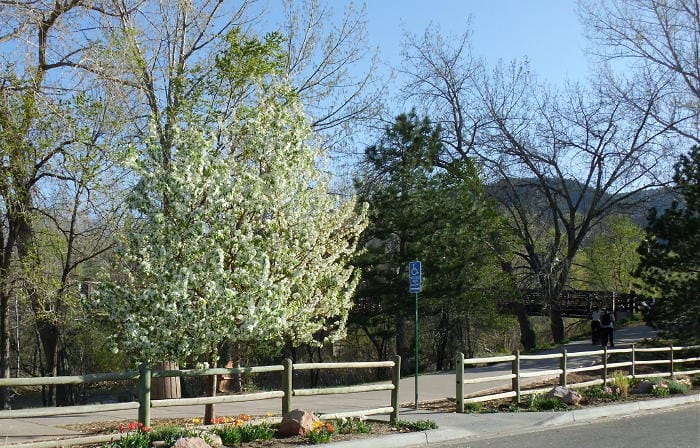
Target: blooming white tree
<point x="238" y="240"/>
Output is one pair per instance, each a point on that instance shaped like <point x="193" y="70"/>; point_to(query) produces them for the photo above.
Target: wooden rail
<point x="145" y="404"/>
<point x="516" y="375"/>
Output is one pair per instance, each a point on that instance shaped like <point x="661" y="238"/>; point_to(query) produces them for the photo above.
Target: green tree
<point x="609" y="258"/>
<point x="441" y="218"/>
<point x="670" y="256"/>
<point x="464" y="280"/>
<point x="53" y="141"/>
<point x="396" y="172"/>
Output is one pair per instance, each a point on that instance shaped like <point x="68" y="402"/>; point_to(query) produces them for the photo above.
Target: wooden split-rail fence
<point x="671" y="362"/>
<point x="145" y="403"/>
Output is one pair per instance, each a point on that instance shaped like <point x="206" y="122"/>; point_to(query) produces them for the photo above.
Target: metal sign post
<point x="415" y="284"/>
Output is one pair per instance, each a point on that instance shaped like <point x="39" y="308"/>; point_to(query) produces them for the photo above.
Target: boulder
<point x="558" y="392"/>
<point x="297" y="422"/>
<point x="642" y="387"/>
<point x="573" y="398"/>
<point x="191" y="442"/>
<point x="566" y="395"/>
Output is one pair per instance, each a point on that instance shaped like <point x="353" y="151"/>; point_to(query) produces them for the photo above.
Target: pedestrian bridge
<point x="580" y="303"/>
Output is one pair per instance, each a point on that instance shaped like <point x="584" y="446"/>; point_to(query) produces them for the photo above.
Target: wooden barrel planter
<point x="168" y="387"/>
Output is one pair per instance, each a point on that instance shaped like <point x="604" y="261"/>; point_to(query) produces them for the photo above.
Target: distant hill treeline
<point x="637" y="205"/>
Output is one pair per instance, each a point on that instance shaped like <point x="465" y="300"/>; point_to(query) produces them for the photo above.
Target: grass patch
<point x="473" y="408"/>
<point x="419" y="425"/>
<point x="622" y="384"/>
<point x="543" y="403"/>
<point x="170" y="433"/>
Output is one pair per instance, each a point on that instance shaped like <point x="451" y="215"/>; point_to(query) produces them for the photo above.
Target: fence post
<point x="459" y="371"/>
<point x="671" y="360"/>
<point x="516" y="379"/>
<point x="395" y="380"/>
<point x="605" y="366"/>
<point x="287" y="386"/>
<point x="145" y="394"/>
<point x="209" y="409"/>
<point x="633" y="361"/>
<point x="562" y="366"/>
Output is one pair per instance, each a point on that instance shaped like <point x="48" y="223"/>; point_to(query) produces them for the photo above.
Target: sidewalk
<point x="435" y="386"/>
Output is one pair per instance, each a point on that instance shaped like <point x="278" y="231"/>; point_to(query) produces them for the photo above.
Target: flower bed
<point x="242" y="431"/>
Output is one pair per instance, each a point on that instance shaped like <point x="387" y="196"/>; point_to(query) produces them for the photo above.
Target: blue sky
<point x="547" y="32"/>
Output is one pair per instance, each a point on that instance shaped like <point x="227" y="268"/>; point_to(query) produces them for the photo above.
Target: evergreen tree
<point x="419" y="212"/>
<point x="395" y="172"/>
<point x="670" y="257"/>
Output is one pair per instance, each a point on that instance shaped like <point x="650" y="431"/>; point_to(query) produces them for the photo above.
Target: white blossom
<point x="249" y="247"/>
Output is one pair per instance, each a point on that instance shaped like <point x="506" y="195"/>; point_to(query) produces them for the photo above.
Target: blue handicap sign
<point x="415" y="282"/>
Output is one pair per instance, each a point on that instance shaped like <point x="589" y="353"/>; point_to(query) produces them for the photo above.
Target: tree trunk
<point x="400" y="324"/>
<point x="65" y="393"/>
<point x="444" y="332"/>
<point x="209" y="411"/>
<point x="49" y="334"/>
<point x="4" y="345"/>
<point x="528" y="339"/>
<point x="231" y="357"/>
<point x="556" y="322"/>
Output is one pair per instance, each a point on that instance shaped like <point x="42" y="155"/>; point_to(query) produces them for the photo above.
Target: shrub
<point x="660" y="389"/>
<point x="137" y="436"/>
<point x="542" y="403"/>
<point x="132" y="440"/>
<point x="237" y="430"/>
<point x="695" y="380"/>
<point x="599" y="392"/>
<point x="593" y="392"/>
<point x="230" y="434"/>
<point x="418" y="425"/>
<point x="473" y="407"/>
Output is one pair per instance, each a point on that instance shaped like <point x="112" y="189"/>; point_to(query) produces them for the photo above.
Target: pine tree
<point x="670" y="257"/>
<point x="419" y="212"/>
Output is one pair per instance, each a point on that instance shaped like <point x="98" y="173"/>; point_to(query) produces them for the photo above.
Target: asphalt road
<point x="677" y="428"/>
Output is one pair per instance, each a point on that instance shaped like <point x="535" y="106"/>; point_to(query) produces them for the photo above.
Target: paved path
<point x="435" y="386"/>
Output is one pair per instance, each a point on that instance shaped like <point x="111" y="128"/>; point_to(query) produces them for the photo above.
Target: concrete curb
<point x="450" y="433"/>
<point x="407" y="440"/>
<point x="584" y="415"/>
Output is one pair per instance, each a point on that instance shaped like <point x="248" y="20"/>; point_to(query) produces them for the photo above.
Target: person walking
<point x="607" y="322"/>
<point x="595" y="326"/>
